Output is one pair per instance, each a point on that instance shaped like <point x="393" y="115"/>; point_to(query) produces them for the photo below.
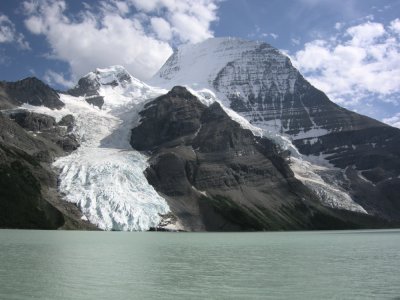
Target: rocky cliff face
<point x="216" y="175"/>
<point x="29" y="90"/>
<point x="259" y="82"/>
<point x="89" y="86"/>
<point x="29" y="143"/>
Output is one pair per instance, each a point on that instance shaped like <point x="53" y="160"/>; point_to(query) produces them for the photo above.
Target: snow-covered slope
<point x="197" y="65"/>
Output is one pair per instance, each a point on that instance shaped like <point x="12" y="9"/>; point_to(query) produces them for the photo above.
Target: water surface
<point x="151" y="265"/>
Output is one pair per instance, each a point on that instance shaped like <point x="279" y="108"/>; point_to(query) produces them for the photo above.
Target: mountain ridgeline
<point x="228" y="134"/>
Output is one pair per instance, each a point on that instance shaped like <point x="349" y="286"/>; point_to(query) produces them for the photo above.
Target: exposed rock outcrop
<point x="29" y="90"/>
<point x="28" y="184"/>
<point x="88" y="86"/>
<point x="47" y="127"/>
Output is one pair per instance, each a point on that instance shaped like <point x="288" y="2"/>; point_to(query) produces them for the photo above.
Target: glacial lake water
<point x="160" y="265"/>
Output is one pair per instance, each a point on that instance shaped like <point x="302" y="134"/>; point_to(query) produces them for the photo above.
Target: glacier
<point x="105" y="177"/>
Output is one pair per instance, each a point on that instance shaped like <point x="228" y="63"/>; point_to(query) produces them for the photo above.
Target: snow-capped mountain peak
<point x="201" y="65"/>
<point x="113" y="75"/>
<point x="114" y="82"/>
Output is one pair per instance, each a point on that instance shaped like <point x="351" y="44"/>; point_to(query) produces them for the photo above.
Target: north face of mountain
<point x="216" y="175"/>
<point x="260" y="83"/>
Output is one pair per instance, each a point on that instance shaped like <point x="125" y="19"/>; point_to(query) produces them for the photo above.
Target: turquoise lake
<point x="160" y="265"/>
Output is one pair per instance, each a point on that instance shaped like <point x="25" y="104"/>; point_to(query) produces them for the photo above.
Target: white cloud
<point x="393" y="121"/>
<point x="162" y="28"/>
<point x="135" y="34"/>
<point x="52" y="77"/>
<point x="35" y="25"/>
<point x="188" y="20"/>
<point x="360" y="62"/>
<point x="365" y="34"/>
<point x="9" y="34"/>
<point x="272" y="35"/>
<point x="295" y="41"/>
<point x="395" y="25"/>
<point x="338" y="25"/>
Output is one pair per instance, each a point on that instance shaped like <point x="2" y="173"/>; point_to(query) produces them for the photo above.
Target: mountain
<point x="260" y="83"/>
<point x="218" y="176"/>
<point x="228" y="135"/>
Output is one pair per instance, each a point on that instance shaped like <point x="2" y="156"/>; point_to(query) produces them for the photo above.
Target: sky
<point x="348" y="49"/>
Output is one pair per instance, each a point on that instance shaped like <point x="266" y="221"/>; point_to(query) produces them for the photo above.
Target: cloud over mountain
<point x="358" y="62"/>
<point x="136" y="34"/>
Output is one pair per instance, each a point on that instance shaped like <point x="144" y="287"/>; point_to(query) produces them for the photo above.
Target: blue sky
<point x="349" y="49"/>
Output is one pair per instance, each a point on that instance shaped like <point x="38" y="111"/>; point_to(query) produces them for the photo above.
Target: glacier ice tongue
<point x="109" y="187"/>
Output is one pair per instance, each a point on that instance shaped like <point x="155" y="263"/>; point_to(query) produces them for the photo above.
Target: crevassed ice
<point x="109" y="187"/>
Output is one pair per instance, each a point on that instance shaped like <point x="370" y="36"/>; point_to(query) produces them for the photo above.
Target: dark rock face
<point x="216" y="175"/>
<point x="88" y="88"/>
<point x="30" y="90"/>
<point x="371" y="160"/>
<point x="33" y="121"/>
<point x="68" y="121"/>
<point x="168" y="125"/>
<point x="46" y="127"/>
<point x="274" y="89"/>
<point x="28" y="185"/>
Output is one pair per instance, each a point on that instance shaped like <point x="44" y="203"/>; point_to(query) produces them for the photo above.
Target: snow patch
<point x="310" y="133"/>
<point x="331" y="195"/>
